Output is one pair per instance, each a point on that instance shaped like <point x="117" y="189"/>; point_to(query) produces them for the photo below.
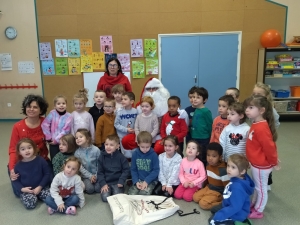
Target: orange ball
<point x="270" y="38"/>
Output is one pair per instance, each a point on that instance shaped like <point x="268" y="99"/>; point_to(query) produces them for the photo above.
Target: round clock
<point x="11" y="33"/>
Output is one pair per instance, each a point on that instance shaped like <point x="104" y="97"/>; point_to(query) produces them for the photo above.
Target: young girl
<point x="261" y="149"/>
<point x="191" y="174"/>
<point x="81" y="118"/>
<point x="169" y="164"/>
<point x="117" y="91"/>
<point x="66" y="189"/>
<point x="67" y="147"/>
<point x="88" y="155"/>
<point x="34" y="174"/>
<point x="234" y="136"/>
<point x="56" y="124"/>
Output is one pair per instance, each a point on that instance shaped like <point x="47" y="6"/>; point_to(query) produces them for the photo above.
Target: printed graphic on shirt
<point x="227" y="193"/>
<point x="65" y="192"/>
<point x="191" y="170"/>
<point x="219" y="127"/>
<point x="129" y="124"/>
<point x="235" y="138"/>
<point x="251" y="135"/>
<point x="143" y="164"/>
<point x="169" y="127"/>
<point x="128" y="116"/>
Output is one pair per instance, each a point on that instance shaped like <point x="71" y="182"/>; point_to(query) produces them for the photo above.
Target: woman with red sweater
<point x="113" y="76"/>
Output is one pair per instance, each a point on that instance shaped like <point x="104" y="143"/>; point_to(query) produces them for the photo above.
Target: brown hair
<point x="239" y="108"/>
<point x="236" y="91"/>
<point x="174" y="141"/>
<point x="82" y="94"/>
<point x="86" y="133"/>
<point x="240" y="161"/>
<point x="266" y="89"/>
<point x="149" y="100"/>
<point x="29" y="141"/>
<point x="72" y="159"/>
<point x="118" y="88"/>
<point x="113" y="137"/>
<point x="110" y="100"/>
<point x="144" y="137"/>
<point x="70" y="140"/>
<point x="198" y="148"/>
<point x="130" y="95"/>
<point x="227" y="98"/>
<point x="55" y="100"/>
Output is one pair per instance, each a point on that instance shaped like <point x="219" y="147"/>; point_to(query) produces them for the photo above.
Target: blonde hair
<point x="118" y="88"/>
<point x="70" y="140"/>
<point x="267" y="90"/>
<point x="149" y="100"/>
<point x="110" y="100"/>
<point x="55" y="100"/>
<point x="144" y="137"/>
<point x="240" y="161"/>
<point x="82" y="94"/>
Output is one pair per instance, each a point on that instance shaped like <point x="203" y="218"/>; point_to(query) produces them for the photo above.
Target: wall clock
<point x="11" y="33"/>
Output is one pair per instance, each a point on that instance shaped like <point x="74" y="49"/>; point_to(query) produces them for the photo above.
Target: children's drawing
<point x="151" y="66"/>
<point x="150" y="48"/>
<point x="106" y="44"/>
<point x="124" y="59"/>
<point x="74" y="66"/>
<point x="138" y="69"/>
<point x="73" y="48"/>
<point x="61" y="66"/>
<point x="98" y="61"/>
<point x="45" y="51"/>
<point x="86" y="63"/>
<point x="86" y="47"/>
<point x="48" y="67"/>
<point x="61" y="48"/>
<point x="136" y="47"/>
<point x="109" y="56"/>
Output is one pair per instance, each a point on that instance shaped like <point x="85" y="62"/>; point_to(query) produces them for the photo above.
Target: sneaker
<point x="269" y="188"/>
<point x="51" y="211"/>
<point x="256" y="215"/>
<point x="71" y="210"/>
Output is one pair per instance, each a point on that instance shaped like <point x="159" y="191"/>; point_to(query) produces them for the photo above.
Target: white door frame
<point x="239" y="33"/>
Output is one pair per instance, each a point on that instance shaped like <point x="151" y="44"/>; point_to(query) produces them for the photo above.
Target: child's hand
<point x="278" y="166"/>
<point x="93" y="179"/>
<point x="163" y="188"/>
<point x="144" y="185"/>
<point x="191" y="184"/>
<point x="169" y="190"/>
<point x="130" y="130"/>
<point x="27" y="190"/>
<point x="61" y="207"/>
<point x="138" y="185"/>
<point x="104" y="188"/>
<point x="13" y="175"/>
<point x="120" y="185"/>
<point x="37" y="190"/>
<point x="186" y="184"/>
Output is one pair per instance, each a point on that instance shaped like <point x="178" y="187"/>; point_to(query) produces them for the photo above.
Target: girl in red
<point x="261" y="150"/>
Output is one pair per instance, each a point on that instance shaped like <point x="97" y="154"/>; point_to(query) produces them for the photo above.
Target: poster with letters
<point x="136" y="48"/>
<point x="106" y="44"/>
<point x="73" y="48"/>
<point x="150" y="48"/>
<point x="48" y="67"/>
<point x="124" y="59"/>
<point x="45" y="51"/>
<point x="61" y="48"/>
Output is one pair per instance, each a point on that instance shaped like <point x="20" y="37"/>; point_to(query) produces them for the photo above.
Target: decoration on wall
<point x="150" y="48"/>
<point x="124" y="59"/>
<point x="45" y="51"/>
<point x="109" y="56"/>
<point x="98" y="61"/>
<point x="136" y="47"/>
<point x="61" y="66"/>
<point x="26" y="67"/>
<point x="270" y="38"/>
<point x="86" y="63"/>
<point x="73" y="48"/>
<point x="138" y="69"/>
<point x="106" y="44"/>
<point x="34" y="86"/>
<point x="151" y="66"/>
<point x="86" y="47"/>
<point x="61" y="48"/>
<point x="74" y="66"/>
<point x="48" y="67"/>
<point x="6" y="62"/>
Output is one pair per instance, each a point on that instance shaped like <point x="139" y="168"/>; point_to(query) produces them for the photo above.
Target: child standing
<point x="81" y="118"/>
<point x="261" y="150"/>
<point x="236" y="203"/>
<point x="34" y="174"/>
<point x="113" y="169"/>
<point x="97" y="110"/>
<point x="234" y="137"/>
<point x="190" y="111"/>
<point x="221" y="121"/>
<point x="217" y="178"/>
<point x="191" y="174"/>
<point x="88" y="155"/>
<point x="144" y="166"/>
<point x="105" y="124"/>
<point x="117" y="91"/>
<point x="67" y="147"/>
<point x="234" y="92"/>
<point x="56" y="124"/>
<point x="66" y="189"/>
<point x="169" y="164"/>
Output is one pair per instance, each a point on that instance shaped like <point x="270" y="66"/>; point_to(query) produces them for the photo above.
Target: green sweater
<point x="58" y="161"/>
<point x="201" y="124"/>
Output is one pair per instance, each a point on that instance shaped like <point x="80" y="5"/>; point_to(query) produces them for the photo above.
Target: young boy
<point x="97" y="110"/>
<point x="236" y="204"/>
<point x="117" y="91"/>
<point x="190" y="111"/>
<point x="125" y="119"/>
<point x="171" y="124"/>
<point x="234" y="92"/>
<point x="113" y="169"/>
<point x="144" y="166"/>
<point x="105" y="124"/>
<point x="202" y="121"/>
<point x="221" y="121"/>
<point x="217" y="178"/>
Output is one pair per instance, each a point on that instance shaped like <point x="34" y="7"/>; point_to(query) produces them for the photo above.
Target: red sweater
<point x="21" y="130"/>
<point x="218" y="125"/>
<point x="106" y="83"/>
<point x="261" y="150"/>
<point x="178" y="127"/>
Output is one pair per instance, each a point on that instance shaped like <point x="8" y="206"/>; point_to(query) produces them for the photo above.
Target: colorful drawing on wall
<point x="138" y="69"/>
<point x="74" y="66"/>
<point x="151" y="66"/>
<point x="61" y="66"/>
<point x="136" y="48"/>
<point x="150" y="48"/>
<point x="98" y="61"/>
<point x="86" y="63"/>
<point x="48" y="67"/>
<point x="61" y="48"/>
<point x="106" y="44"/>
<point x="109" y="56"/>
<point x="26" y="67"/>
<point x="124" y="59"/>
<point x="45" y="51"/>
<point x="73" y="48"/>
<point x="86" y="47"/>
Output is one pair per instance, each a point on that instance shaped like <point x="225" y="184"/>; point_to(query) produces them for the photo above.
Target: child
<point x="202" y="121"/>
<point x="234" y="137"/>
<point x="117" y="91"/>
<point x="169" y="164"/>
<point x="105" y="124"/>
<point x="125" y="119"/>
<point x="34" y="174"/>
<point x="113" y="168"/>
<point x="191" y="174"/>
<point x="236" y="203"/>
<point x="81" y="118"/>
<point x="66" y="189"/>
<point x="234" y="92"/>
<point x="172" y="125"/>
<point x="221" y="121"/>
<point x="217" y="178"/>
<point x="67" y="147"/>
<point x="261" y="150"/>
<point x="144" y="166"/>
<point x="190" y="111"/>
<point x="88" y="155"/>
<point x="97" y="110"/>
<point x="56" y="124"/>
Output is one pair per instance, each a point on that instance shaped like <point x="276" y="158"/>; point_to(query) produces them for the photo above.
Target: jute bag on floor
<point x="140" y="209"/>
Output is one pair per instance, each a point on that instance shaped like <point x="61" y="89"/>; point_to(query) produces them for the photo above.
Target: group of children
<point x="213" y="172"/>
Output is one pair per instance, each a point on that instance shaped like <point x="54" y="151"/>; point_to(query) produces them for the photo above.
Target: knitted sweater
<point x="82" y="120"/>
<point x="146" y="123"/>
<point x="201" y="124"/>
<point x="217" y="177"/>
<point x="125" y="119"/>
<point x="58" y="161"/>
<point x="104" y="127"/>
<point x="217" y="127"/>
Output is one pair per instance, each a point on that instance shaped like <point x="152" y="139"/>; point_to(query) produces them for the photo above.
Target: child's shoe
<point x="71" y="210"/>
<point x="269" y="188"/>
<point x="255" y="215"/>
<point x="51" y="211"/>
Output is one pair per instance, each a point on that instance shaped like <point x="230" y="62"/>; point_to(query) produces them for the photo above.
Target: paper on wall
<point x="86" y="47"/>
<point x="48" y="67"/>
<point x="98" y="61"/>
<point x="138" y="69"/>
<point x="73" y="48"/>
<point x="136" y="47"/>
<point x="61" y="48"/>
<point x="74" y="66"/>
<point x="26" y="67"/>
<point x="151" y="66"/>
<point x="86" y="63"/>
<point x="124" y="59"/>
<point x="45" y="51"/>
<point x="150" y="48"/>
<point x="106" y="44"/>
<point x="61" y="66"/>
<point x="6" y="62"/>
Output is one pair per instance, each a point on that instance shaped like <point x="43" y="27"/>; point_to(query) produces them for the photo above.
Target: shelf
<point x="288" y="98"/>
<point x="281" y="77"/>
<point x="289" y="113"/>
<point x="282" y="68"/>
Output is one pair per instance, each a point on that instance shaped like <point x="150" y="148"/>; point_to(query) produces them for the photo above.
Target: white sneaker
<point x="269" y="188"/>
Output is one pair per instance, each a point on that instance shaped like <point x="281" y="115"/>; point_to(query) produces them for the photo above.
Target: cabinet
<point x="281" y="73"/>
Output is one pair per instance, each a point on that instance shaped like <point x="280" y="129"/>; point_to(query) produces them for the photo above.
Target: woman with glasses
<point x="113" y="76"/>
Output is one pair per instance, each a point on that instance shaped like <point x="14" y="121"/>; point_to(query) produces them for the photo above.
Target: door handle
<point x="195" y="77"/>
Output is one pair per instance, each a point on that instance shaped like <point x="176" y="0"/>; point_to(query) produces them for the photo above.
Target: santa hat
<point x="151" y="83"/>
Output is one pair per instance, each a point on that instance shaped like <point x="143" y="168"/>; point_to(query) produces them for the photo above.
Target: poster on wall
<point x="73" y="48"/>
<point x="98" y="61"/>
<point x="86" y="47"/>
<point x="61" y="48"/>
<point x="6" y="62"/>
<point x="109" y="56"/>
<point x="138" y="69"/>
<point x="106" y="44"/>
<point x="26" y="67"/>
<point x="48" y="67"/>
<point x="136" y="48"/>
<point x="86" y="63"/>
<point x="61" y="66"/>
<point x="151" y="66"/>
<point x="45" y="51"/>
<point x="150" y="48"/>
<point x="74" y="66"/>
<point x="124" y="59"/>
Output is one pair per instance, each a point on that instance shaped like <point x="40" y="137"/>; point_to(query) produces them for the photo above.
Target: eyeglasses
<point x="108" y="106"/>
<point x="152" y="89"/>
<point x="113" y="65"/>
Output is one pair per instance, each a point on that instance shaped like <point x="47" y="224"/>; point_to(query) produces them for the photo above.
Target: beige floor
<point x="282" y="207"/>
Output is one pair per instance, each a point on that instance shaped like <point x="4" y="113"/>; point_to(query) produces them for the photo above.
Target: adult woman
<point x="33" y="106"/>
<point x="113" y="76"/>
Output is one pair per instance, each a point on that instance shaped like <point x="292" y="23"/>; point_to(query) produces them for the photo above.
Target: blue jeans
<point x="113" y="189"/>
<point x="72" y="200"/>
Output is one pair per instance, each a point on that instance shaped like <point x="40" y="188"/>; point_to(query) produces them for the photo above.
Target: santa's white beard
<point x="160" y="98"/>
